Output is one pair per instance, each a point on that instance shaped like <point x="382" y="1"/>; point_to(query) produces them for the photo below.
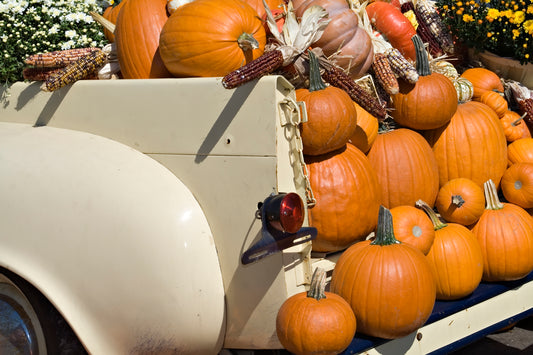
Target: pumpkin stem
<point x="385" y="231"/>
<point x="437" y="222"/>
<point x="247" y="41"/>
<point x="422" y="60"/>
<point x="315" y="79"/>
<point x="318" y="284"/>
<point x="518" y="120"/>
<point x="491" y="195"/>
<point x="458" y="200"/>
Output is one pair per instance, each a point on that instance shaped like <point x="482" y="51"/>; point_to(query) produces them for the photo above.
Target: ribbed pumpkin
<point x="430" y="102"/>
<point x="210" y="38"/>
<point x="366" y="131"/>
<point x="455" y="258"/>
<point x="412" y="226"/>
<point x="445" y="68"/>
<point x="317" y="321"/>
<point x="514" y="126"/>
<point x="460" y="200"/>
<point x="495" y="101"/>
<point x="347" y="198"/>
<point x="406" y="167"/>
<point x="389" y="284"/>
<point x="331" y="114"/>
<point x="343" y="41"/>
<point x="137" y="30"/>
<point x="505" y="234"/>
<point x="111" y="13"/>
<point x="483" y="80"/>
<point x="517" y="184"/>
<point x="520" y="150"/>
<point x="472" y="145"/>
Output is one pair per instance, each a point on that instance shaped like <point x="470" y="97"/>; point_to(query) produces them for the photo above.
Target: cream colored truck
<point x="132" y="215"/>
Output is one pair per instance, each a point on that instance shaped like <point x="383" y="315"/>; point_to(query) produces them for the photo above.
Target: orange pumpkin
<point x="517" y="184"/>
<point x="111" y="14"/>
<point x="430" y="102"/>
<point x="317" y="321"/>
<point x="406" y="168"/>
<point x="260" y="8"/>
<point x="495" y="101"/>
<point x="521" y="150"/>
<point x="505" y="234"/>
<point x="514" y="126"/>
<point x="483" y="80"/>
<point x="347" y="198"/>
<point x="461" y="201"/>
<point x="366" y="131"/>
<point x="472" y="145"/>
<point x="412" y="226"/>
<point x="389" y="284"/>
<point x="331" y="114"/>
<point x="344" y="42"/>
<point x="210" y="38"/>
<point x="455" y="258"/>
<point x="138" y="25"/>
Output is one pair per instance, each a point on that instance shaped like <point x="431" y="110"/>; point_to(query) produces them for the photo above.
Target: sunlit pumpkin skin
<point x="315" y="322"/>
<point x="505" y="234"/>
<point x="258" y="6"/>
<point x="389" y="284"/>
<point x="483" y="80"/>
<point x="137" y="30"/>
<point x="455" y="258"/>
<point x="201" y="39"/>
<point x="461" y="201"/>
<point x="366" y="131"/>
<point x="111" y="14"/>
<point x="520" y="150"/>
<point x="347" y="198"/>
<point x="331" y="115"/>
<point x="472" y="145"/>
<point x="412" y="226"/>
<point x="495" y="101"/>
<point x="394" y="26"/>
<point x="514" y="126"/>
<point x="343" y="41"/>
<point x="517" y="184"/>
<point x="406" y="168"/>
<point x="430" y="102"/>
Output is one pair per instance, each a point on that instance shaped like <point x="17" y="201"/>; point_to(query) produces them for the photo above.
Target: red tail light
<point x="285" y="212"/>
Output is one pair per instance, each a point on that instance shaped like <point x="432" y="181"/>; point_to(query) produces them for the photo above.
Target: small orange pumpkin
<point x="461" y="201"/>
<point x="483" y="80"/>
<point x="514" y="126"/>
<point x="111" y="14"/>
<point x="331" y="114"/>
<point x="366" y="131"/>
<point x="412" y="226"/>
<point x="211" y="38"/>
<point x="521" y="150"/>
<point x="517" y="184"/>
<point x="317" y="321"/>
<point x="495" y="101"/>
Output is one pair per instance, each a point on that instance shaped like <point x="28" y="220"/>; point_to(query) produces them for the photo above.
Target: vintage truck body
<point x="126" y="205"/>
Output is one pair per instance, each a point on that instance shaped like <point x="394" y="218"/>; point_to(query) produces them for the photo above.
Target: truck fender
<point x="114" y="240"/>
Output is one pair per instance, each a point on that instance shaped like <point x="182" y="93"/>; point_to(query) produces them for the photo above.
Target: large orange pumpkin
<point x="389" y="284"/>
<point x="472" y="145"/>
<point x="211" y="38"/>
<point x="505" y="234"/>
<point x="430" y="102"/>
<point x="347" y="198"/>
<point x="455" y="258"/>
<point x="412" y="226"/>
<point x="517" y="184"/>
<point x="317" y="321"/>
<point x="460" y="200"/>
<point x="331" y="114"/>
<point x="137" y="30"/>
<point x="111" y="13"/>
<point x="343" y="41"/>
<point x="483" y="80"/>
<point x="406" y="168"/>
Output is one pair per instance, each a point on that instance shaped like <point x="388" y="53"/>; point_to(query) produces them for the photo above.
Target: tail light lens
<point x="285" y="212"/>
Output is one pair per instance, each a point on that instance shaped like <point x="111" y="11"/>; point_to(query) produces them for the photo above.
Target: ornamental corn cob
<point x="384" y="74"/>
<point x="429" y="15"/>
<point x="83" y="68"/>
<point x="340" y="79"/>
<point x="403" y="68"/>
<point x="526" y="107"/>
<point x="38" y="74"/>
<point x="423" y="29"/>
<point x="58" y="59"/>
<point x="263" y="65"/>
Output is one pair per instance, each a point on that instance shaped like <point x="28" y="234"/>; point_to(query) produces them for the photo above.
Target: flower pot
<point x="506" y="67"/>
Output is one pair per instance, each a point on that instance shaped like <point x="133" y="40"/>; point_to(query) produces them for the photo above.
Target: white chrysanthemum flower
<point x="70" y="33"/>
